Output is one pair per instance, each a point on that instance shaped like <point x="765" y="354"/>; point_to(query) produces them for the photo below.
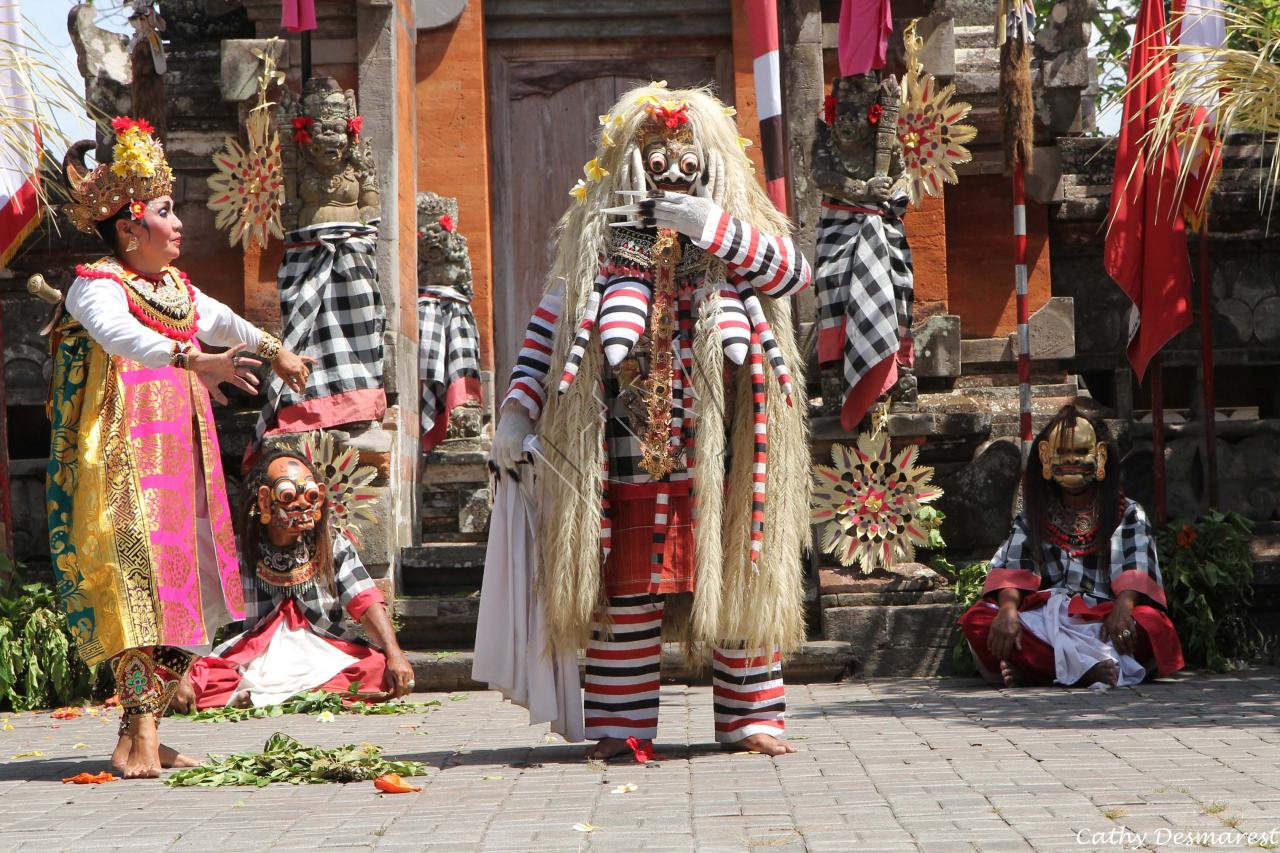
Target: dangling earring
<point x="132" y="245"/>
<point x="1100" y="472"/>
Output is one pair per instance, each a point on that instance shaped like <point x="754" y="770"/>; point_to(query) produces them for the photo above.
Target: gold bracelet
<point x="269" y="346"/>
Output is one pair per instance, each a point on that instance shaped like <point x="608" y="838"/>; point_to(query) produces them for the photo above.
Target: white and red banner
<point x="762" y="21"/>
<point x="20" y="146"/>
<point x="1199" y="24"/>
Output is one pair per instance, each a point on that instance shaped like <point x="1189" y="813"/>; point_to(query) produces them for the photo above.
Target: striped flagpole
<point x="762" y="19"/>
<point x="1024" y="335"/>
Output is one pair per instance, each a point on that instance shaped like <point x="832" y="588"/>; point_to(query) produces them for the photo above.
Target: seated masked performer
<point x="139" y="528"/>
<point x="1074" y="594"/>
<point x="660" y="324"/>
<point x="305" y="590"/>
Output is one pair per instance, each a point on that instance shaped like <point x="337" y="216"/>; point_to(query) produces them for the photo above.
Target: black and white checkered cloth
<point x="448" y="355"/>
<point x="326" y="613"/>
<point x="864" y="282"/>
<point x="1132" y="548"/>
<point x="332" y="311"/>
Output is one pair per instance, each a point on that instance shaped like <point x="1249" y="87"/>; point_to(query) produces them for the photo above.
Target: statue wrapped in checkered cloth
<point x="328" y="280"/>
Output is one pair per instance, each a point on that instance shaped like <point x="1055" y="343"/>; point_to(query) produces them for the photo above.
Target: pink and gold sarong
<point x="139" y="527"/>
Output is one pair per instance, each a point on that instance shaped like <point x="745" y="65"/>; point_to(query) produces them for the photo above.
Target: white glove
<point x="687" y="214"/>
<point x="508" y="439"/>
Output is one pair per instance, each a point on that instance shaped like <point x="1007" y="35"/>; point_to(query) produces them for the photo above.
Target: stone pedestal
<point x="900" y="622"/>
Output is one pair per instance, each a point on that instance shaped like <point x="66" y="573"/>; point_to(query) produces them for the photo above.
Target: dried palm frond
<point x="1241" y="87"/>
<point x="32" y="83"/>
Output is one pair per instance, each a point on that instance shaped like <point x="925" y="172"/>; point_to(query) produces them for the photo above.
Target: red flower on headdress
<point x="123" y="124"/>
<point x="829" y="110"/>
<point x="671" y="118"/>
<point x="137" y="209"/>
<point x="874" y="112"/>
<point x="355" y="124"/>
<point x="302" y="130"/>
<point x="446" y="222"/>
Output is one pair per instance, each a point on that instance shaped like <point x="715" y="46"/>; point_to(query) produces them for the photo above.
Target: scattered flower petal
<point x="326" y="716"/>
<point x="35" y="753"/>
<point x="391" y="783"/>
<point x="79" y="746"/>
<point x="628" y="788"/>
<point x="491" y="778"/>
<point x="91" y="778"/>
<point x="583" y="827"/>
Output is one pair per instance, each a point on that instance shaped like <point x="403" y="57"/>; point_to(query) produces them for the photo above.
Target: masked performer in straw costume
<point x="666" y="319"/>
<point x="1074" y="594"/>
<point x="139" y="528"/>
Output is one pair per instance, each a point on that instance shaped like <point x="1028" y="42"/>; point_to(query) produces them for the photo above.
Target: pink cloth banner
<point x="298" y="15"/>
<point x="864" y="35"/>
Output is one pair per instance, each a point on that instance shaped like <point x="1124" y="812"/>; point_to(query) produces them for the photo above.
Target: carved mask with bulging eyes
<point x="291" y="500"/>
<point x="672" y="165"/>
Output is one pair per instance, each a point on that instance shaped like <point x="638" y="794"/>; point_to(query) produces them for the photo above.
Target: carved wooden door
<point x="545" y="103"/>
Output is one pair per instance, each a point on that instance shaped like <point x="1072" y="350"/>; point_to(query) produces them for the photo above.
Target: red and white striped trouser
<point x="623" y="679"/>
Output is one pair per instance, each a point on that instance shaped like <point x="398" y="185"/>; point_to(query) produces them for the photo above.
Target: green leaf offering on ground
<point x="312" y="702"/>
<point x="284" y="759"/>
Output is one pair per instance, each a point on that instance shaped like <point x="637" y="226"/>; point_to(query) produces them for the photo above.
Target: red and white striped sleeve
<point x="529" y="377"/>
<point x="770" y="264"/>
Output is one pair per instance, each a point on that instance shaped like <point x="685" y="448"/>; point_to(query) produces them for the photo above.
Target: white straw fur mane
<point x="731" y="603"/>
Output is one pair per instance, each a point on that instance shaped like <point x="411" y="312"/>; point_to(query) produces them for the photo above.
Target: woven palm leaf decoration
<point x="869" y="502"/>
<point x="929" y="127"/>
<point x="351" y="500"/>
<point x="247" y="190"/>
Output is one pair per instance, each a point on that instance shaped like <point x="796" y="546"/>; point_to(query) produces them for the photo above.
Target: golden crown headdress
<point x="138" y="171"/>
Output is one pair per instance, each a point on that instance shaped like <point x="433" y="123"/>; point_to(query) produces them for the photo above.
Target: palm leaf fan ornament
<point x="247" y="188"/>
<point x="351" y="500"/>
<point x="868" y="502"/>
<point x="929" y="127"/>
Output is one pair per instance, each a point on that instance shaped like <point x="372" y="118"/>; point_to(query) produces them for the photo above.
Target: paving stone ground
<point x="920" y="764"/>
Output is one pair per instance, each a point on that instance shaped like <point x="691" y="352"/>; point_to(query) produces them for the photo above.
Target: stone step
<point x="1010" y="392"/>
<point x="442" y="567"/>
<point x="814" y="662"/>
<point x="974" y="37"/>
<point x="437" y="622"/>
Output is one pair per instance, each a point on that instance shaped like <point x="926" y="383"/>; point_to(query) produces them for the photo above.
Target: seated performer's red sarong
<point x="215" y="679"/>
<point x="629" y="569"/>
<point x="1156" y="640"/>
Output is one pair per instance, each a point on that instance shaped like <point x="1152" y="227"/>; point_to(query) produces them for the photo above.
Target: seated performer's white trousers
<point x="622" y="682"/>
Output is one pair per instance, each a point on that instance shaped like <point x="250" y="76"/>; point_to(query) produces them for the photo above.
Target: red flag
<point x="1146" y="245"/>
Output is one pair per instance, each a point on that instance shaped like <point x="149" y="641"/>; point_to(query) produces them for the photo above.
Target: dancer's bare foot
<point x="1105" y="671"/>
<point x="169" y="757"/>
<point x="144" y="752"/>
<point x="762" y="743"/>
<point x="607" y="748"/>
<point x="1010" y="676"/>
